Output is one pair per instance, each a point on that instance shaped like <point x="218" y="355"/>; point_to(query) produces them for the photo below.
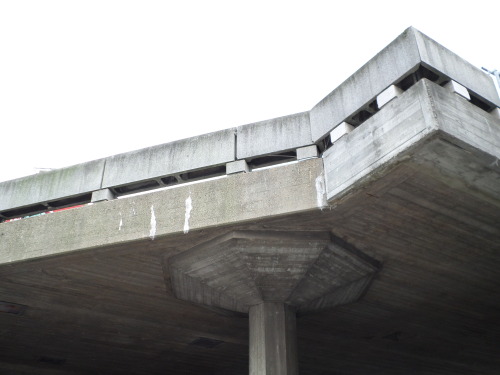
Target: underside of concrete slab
<point x="378" y="256"/>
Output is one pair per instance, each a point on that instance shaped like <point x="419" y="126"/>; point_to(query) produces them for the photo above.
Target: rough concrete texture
<point x="387" y="95"/>
<point x="424" y="113"/>
<point x="457" y="88"/>
<point x="178" y="210"/>
<point x="102" y="195"/>
<point x="401" y="58"/>
<point x="401" y="123"/>
<point x="441" y="59"/>
<point x="397" y="60"/>
<point x="188" y="154"/>
<point x="52" y="185"/>
<point x="273" y="340"/>
<point x="495" y="112"/>
<point x="246" y="268"/>
<point x="273" y="136"/>
<point x="340" y="131"/>
<point x="307" y="152"/>
<point x="237" y="166"/>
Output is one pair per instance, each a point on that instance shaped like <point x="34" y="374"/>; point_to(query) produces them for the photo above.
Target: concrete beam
<point x="273" y="136"/>
<point x="52" y="185"/>
<point x="160" y="214"/>
<point x="171" y="158"/>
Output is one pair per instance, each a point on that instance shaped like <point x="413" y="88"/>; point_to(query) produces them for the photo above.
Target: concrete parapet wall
<point x="276" y="135"/>
<point x="53" y="185"/>
<point x="410" y="57"/>
<point x="394" y="129"/>
<point x="150" y="217"/>
<point x="395" y="61"/>
<point x="398" y="60"/>
<point x="171" y="158"/>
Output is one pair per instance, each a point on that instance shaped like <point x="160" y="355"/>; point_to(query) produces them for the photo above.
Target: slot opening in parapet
<point x="136" y="187"/>
<point x="24" y="211"/>
<point x="204" y="173"/>
<point x="272" y="159"/>
<point x="169" y="181"/>
<point x="71" y="201"/>
<point x="479" y="102"/>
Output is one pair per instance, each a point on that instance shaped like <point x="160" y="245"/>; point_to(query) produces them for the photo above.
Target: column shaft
<point x="273" y="340"/>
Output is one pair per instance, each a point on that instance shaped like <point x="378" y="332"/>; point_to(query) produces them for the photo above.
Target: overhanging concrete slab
<point x="426" y="117"/>
<point x="153" y="216"/>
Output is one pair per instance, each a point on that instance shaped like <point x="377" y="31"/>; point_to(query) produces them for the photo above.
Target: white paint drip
<point x="152" y="231"/>
<point x="320" y="191"/>
<point x="189" y="207"/>
<point x="121" y="222"/>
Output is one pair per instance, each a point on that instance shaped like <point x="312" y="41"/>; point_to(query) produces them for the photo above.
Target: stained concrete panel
<point x="401" y="123"/>
<point x="453" y="66"/>
<point x="158" y="215"/>
<point x="427" y="128"/>
<point x="170" y="158"/>
<point x="273" y="136"/>
<point x="399" y="59"/>
<point x="47" y="186"/>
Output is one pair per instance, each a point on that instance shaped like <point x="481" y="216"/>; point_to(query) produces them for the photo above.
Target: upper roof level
<point x="409" y="58"/>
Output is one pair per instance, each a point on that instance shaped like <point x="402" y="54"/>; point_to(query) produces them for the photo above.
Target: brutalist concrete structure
<point x="360" y="237"/>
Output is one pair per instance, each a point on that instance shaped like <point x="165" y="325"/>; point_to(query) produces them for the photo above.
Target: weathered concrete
<point x="218" y="202"/>
<point x="102" y="195"/>
<point x="307" y="152"/>
<point x="340" y="131"/>
<point x="441" y="59"/>
<point x="458" y="89"/>
<point x="380" y="139"/>
<point x="53" y="185"/>
<point x="399" y="59"/>
<point x="387" y="95"/>
<point x="414" y="187"/>
<point x="389" y="136"/>
<point x="271" y="275"/>
<point x="274" y="136"/>
<point x="189" y="154"/>
<point x="273" y="340"/>
<point x="238" y="166"/>
<point x="408" y="58"/>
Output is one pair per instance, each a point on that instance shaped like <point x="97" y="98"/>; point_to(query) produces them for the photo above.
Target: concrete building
<point x="360" y="237"/>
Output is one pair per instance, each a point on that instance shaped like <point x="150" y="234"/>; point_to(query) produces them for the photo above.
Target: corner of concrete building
<point x="436" y="57"/>
<point x="398" y="59"/>
<point x="428" y="129"/>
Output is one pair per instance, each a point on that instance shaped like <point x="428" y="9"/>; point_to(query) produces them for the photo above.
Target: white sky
<point x="81" y="80"/>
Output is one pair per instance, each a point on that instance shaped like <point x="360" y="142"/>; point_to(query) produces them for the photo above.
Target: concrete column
<point x="273" y="339"/>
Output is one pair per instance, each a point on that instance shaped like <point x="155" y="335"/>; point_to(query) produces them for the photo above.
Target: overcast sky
<point x="81" y="80"/>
